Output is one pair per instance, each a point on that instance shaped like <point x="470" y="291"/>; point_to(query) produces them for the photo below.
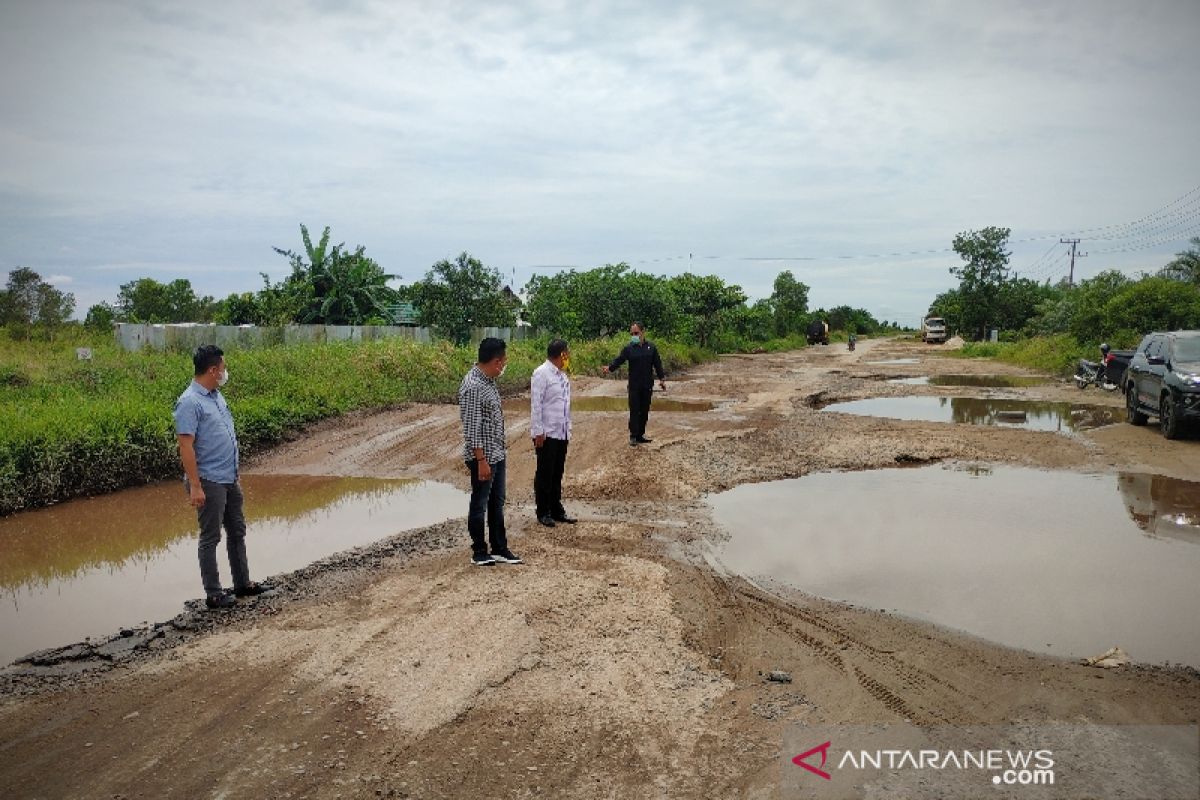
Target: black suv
<point x="1163" y="380"/>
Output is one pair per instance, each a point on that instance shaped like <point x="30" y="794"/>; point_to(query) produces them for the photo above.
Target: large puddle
<point x="1055" y="562"/>
<point x="1034" y="414"/>
<point x="91" y="566"/>
<point x="620" y="404"/>
<point x="889" y="361"/>
<point x="982" y="381"/>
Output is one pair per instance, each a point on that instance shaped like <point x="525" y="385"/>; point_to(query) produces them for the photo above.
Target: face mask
<point x="503" y="370"/>
<point x="634" y="339"/>
<point x="224" y="379"/>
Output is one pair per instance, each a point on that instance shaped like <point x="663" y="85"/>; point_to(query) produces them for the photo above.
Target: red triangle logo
<point x="823" y="750"/>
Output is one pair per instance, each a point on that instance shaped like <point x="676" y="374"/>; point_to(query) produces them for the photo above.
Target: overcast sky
<point x="184" y="139"/>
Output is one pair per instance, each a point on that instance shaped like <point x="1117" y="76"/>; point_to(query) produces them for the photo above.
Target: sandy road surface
<point x="616" y="662"/>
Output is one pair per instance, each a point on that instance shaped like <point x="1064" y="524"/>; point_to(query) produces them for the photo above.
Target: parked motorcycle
<point x="1092" y="372"/>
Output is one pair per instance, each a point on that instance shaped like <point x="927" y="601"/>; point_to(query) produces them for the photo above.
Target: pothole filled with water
<point x="983" y="381"/>
<point x="88" y="567"/>
<point x="1032" y="414"/>
<point x="897" y="361"/>
<point x="1055" y="562"/>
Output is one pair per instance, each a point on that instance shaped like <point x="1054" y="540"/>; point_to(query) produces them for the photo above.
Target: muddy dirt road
<point x="616" y="662"/>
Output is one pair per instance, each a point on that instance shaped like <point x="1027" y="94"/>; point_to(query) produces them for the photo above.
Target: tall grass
<point x="76" y="428"/>
<point x="1057" y="354"/>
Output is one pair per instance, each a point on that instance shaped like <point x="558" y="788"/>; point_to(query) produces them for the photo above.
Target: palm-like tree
<point x="336" y="286"/>
<point x="1186" y="265"/>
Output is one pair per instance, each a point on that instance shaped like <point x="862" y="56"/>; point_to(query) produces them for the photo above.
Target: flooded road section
<point x="89" y="567"/>
<point x="980" y="381"/>
<point x="1031" y="414"/>
<point x="1055" y="562"/>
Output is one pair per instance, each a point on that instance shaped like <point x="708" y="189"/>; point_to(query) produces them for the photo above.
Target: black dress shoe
<point x="565" y="519"/>
<point x="547" y="520"/>
<point x="252" y="590"/>
<point x="220" y="601"/>
<point x="644" y="440"/>
<point x="633" y="442"/>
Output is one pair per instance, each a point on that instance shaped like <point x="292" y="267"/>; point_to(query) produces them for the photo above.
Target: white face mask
<point x="502" y="371"/>
<point x="224" y="379"/>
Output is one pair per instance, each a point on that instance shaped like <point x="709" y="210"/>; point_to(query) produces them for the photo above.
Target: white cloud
<point x="189" y="139"/>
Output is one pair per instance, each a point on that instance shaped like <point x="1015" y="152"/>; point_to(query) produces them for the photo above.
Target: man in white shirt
<point x="550" y="427"/>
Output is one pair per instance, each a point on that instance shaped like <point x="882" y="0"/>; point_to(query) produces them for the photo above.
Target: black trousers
<point x="639" y="409"/>
<point x="547" y="481"/>
<point x="487" y="500"/>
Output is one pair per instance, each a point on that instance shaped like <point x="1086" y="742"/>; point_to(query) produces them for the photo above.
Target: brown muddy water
<point x="1038" y="415"/>
<point x="619" y="404"/>
<point x="982" y="381"/>
<point x="89" y="567"/>
<point x="1055" y="562"/>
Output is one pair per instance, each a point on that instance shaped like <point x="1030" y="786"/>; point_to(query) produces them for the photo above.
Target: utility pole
<point x="1074" y="243"/>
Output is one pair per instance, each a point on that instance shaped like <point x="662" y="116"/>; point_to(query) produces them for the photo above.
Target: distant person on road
<point x="484" y="453"/>
<point x="208" y="449"/>
<point x="644" y="364"/>
<point x="550" y="427"/>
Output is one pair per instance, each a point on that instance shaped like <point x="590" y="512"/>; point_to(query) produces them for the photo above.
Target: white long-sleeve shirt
<point x="550" y="403"/>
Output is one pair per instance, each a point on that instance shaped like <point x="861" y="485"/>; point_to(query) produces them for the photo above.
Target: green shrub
<point x="1054" y="354"/>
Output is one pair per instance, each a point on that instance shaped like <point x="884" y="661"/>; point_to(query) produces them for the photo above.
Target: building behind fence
<point x="187" y="337"/>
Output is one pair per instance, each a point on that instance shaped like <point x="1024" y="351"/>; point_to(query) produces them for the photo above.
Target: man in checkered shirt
<point x="484" y="453"/>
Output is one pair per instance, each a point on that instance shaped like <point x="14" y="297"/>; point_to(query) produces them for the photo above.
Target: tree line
<point x="1111" y="306"/>
<point x="338" y="285"/>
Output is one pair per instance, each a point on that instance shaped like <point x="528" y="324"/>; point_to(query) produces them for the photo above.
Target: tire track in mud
<point x="909" y="691"/>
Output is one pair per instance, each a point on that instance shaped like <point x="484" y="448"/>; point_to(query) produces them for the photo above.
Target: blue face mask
<point x="634" y="339"/>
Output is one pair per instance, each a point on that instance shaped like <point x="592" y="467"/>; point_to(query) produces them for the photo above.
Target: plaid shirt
<point x="482" y="417"/>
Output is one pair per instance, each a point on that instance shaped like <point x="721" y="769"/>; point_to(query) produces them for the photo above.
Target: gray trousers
<point x="222" y="506"/>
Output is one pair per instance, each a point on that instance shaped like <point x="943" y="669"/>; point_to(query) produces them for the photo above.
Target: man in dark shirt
<point x="644" y="363"/>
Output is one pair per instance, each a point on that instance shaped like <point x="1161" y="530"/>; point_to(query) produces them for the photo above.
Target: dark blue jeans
<point x="487" y="498"/>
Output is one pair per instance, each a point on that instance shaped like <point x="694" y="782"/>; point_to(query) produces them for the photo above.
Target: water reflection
<point x="980" y="381"/>
<point x="90" y="566"/>
<point x="1162" y="506"/>
<point x="1048" y="561"/>
<point x="1038" y="415"/>
<point x="135" y="525"/>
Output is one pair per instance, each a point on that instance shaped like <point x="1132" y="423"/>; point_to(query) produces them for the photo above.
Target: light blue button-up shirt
<point x="205" y="415"/>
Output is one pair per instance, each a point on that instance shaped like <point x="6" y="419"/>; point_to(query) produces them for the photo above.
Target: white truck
<point x="933" y="330"/>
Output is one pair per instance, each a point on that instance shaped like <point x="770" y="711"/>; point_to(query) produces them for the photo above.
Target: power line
<point x="1120" y="225"/>
<point x="1041" y="258"/>
<point x="1150" y="230"/>
<point x="1186" y="235"/>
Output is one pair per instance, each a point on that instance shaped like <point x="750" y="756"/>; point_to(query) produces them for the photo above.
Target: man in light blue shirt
<point x="208" y="450"/>
<point x="550" y="427"/>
